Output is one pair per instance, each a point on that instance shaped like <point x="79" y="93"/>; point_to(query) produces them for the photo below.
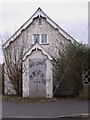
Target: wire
<point x="69" y="62"/>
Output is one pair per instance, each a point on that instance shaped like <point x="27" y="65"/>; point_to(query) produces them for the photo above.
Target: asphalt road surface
<point x="45" y="119"/>
<point x="45" y="110"/>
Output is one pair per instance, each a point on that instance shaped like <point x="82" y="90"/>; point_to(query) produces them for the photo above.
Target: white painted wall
<point x="24" y="40"/>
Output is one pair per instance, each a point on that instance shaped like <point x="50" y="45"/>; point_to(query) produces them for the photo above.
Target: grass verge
<point x="27" y="99"/>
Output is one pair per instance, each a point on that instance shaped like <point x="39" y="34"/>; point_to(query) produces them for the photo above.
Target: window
<point x="44" y="38"/>
<point x="40" y="21"/>
<point x="36" y="38"/>
<point x="40" y="38"/>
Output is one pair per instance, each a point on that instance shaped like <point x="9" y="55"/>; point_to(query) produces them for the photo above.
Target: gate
<point x="37" y="78"/>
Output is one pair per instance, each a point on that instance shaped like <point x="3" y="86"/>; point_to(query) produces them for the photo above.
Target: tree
<point x="13" y="65"/>
<point x="71" y="62"/>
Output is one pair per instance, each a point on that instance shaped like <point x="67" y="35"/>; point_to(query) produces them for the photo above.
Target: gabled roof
<point x="36" y="46"/>
<point x="39" y="12"/>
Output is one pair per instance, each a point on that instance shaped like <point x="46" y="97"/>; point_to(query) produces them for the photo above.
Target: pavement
<point x="56" y="109"/>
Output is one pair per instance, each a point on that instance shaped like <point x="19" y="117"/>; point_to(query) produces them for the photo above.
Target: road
<point x="46" y="110"/>
<point x="45" y="119"/>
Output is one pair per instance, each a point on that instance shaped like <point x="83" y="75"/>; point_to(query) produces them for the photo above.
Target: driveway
<point x="46" y="110"/>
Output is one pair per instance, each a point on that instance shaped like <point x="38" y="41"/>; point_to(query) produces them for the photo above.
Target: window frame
<point x="40" y="39"/>
<point x="47" y="42"/>
<point x="35" y="35"/>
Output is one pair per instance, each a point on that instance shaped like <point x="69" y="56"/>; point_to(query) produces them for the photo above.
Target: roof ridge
<point x="20" y="27"/>
<point x="39" y="12"/>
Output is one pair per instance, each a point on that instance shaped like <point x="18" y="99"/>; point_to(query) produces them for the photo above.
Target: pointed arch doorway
<point x="37" y="79"/>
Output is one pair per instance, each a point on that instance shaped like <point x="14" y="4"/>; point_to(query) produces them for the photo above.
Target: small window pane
<point x="40" y="21"/>
<point x="36" y="38"/>
<point x="44" y="38"/>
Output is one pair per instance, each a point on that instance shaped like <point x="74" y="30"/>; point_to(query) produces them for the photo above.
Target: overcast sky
<point x="71" y="16"/>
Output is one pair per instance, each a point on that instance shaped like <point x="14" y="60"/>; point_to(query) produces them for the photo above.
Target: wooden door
<point x="37" y="78"/>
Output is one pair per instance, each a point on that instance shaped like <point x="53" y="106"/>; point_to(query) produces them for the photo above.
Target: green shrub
<point x="68" y="69"/>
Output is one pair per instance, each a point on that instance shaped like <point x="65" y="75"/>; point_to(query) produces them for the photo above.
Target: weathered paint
<point x="24" y="40"/>
<point x="36" y="56"/>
